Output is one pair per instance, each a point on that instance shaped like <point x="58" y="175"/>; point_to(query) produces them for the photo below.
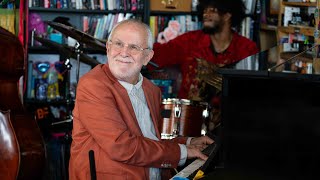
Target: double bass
<point x="24" y="131"/>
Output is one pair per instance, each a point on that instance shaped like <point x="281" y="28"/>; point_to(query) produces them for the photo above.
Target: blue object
<point x="180" y="178"/>
<point x="165" y="85"/>
<point x="56" y="37"/>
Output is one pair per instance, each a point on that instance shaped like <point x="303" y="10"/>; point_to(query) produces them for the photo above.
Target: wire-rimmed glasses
<point x="132" y="49"/>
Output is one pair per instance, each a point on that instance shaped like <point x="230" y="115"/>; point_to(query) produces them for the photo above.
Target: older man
<point x="117" y="112"/>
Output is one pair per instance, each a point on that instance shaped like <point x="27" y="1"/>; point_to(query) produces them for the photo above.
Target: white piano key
<point x="195" y="165"/>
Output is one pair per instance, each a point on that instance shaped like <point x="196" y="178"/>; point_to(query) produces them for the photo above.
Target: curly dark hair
<point x="235" y="7"/>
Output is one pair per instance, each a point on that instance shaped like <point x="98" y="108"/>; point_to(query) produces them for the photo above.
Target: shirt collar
<point x="229" y="49"/>
<point x="129" y="86"/>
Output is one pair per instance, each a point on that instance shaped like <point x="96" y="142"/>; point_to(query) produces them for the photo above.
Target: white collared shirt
<point x="143" y="116"/>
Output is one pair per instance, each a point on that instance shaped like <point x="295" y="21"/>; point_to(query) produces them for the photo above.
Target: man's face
<point x="127" y="52"/>
<point x="212" y="20"/>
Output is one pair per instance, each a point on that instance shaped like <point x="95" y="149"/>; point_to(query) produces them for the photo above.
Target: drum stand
<point x="67" y="63"/>
<point x="69" y="117"/>
<point x="177" y="115"/>
<point x="77" y="48"/>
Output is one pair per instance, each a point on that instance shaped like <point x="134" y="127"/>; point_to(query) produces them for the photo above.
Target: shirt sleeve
<point x="184" y="154"/>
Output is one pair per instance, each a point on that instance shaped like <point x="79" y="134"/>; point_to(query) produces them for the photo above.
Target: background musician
<point x="117" y="112"/>
<point x="217" y="43"/>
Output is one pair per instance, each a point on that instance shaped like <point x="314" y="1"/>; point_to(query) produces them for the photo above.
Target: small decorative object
<point x="274" y="7"/>
<point x="170" y="4"/>
<point x="36" y="26"/>
<point x="170" y="32"/>
<point x="316" y="34"/>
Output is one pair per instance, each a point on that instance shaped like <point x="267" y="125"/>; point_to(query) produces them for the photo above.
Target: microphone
<point x="92" y="165"/>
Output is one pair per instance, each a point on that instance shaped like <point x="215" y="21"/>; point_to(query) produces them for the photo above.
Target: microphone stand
<point x="293" y="57"/>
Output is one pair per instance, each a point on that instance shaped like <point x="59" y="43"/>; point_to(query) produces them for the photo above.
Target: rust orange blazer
<point x="104" y="121"/>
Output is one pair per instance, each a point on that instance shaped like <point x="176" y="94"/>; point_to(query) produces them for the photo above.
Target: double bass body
<point x="27" y="135"/>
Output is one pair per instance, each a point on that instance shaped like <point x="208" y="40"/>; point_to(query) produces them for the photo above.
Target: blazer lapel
<point x="124" y="94"/>
<point x="152" y="107"/>
<point x="128" y="103"/>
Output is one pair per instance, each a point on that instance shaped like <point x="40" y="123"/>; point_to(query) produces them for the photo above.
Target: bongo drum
<point x="182" y="117"/>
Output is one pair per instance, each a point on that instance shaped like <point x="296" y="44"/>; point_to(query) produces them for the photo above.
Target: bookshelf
<point x="159" y="22"/>
<point x="76" y="17"/>
<point x="95" y="18"/>
<point x="268" y="24"/>
<point x="295" y="22"/>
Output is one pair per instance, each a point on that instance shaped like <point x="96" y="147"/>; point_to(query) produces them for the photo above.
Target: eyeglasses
<point x="132" y="48"/>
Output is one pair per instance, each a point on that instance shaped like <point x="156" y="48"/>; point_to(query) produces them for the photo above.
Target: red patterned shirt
<point x="184" y="49"/>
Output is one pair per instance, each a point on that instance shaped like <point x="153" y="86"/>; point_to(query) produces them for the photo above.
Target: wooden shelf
<point x="308" y="31"/>
<point x="49" y="102"/>
<point x="81" y="11"/>
<point x="304" y="57"/>
<point x="45" y="50"/>
<point x="268" y="27"/>
<point x="172" y="13"/>
<point x="306" y="4"/>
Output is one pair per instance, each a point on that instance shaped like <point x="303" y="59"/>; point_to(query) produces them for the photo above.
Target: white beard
<point x="124" y="73"/>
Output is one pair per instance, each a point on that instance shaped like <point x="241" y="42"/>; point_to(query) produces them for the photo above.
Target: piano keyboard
<point x="191" y="169"/>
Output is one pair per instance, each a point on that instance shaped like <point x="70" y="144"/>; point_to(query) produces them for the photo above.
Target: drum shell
<point x="189" y="122"/>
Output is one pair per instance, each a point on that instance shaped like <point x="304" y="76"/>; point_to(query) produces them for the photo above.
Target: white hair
<point x="139" y="23"/>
